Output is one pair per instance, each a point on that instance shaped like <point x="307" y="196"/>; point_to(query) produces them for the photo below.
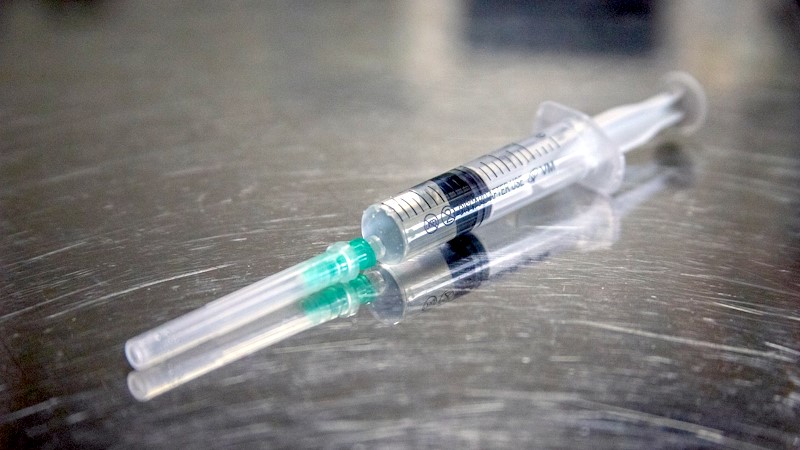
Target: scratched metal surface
<point x="154" y="157"/>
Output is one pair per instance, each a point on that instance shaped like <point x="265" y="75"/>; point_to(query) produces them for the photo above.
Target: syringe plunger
<point x="567" y="147"/>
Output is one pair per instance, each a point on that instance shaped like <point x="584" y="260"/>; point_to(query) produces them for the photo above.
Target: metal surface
<point x="154" y="157"/>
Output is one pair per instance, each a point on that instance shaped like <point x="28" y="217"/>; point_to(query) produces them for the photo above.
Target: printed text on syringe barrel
<point x="488" y="187"/>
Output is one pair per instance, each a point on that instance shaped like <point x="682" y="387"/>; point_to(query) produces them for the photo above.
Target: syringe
<point x="573" y="218"/>
<point x="567" y="147"/>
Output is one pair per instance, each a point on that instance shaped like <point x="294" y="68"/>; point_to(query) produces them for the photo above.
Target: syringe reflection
<point x="572" y="219"/>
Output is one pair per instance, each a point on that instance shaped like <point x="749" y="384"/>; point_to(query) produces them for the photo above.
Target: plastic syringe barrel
<point x="568" y="147"/>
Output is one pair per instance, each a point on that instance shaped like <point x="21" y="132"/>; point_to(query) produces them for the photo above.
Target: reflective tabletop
<point x="154" y="157"/>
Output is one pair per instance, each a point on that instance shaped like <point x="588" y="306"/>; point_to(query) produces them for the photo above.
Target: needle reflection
<point x="572" y="219"/>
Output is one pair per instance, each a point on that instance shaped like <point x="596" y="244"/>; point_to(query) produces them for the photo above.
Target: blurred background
<point x="156" y="155"/>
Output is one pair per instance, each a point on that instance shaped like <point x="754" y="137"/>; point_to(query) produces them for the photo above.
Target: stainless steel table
<point x="156" y="155"/>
